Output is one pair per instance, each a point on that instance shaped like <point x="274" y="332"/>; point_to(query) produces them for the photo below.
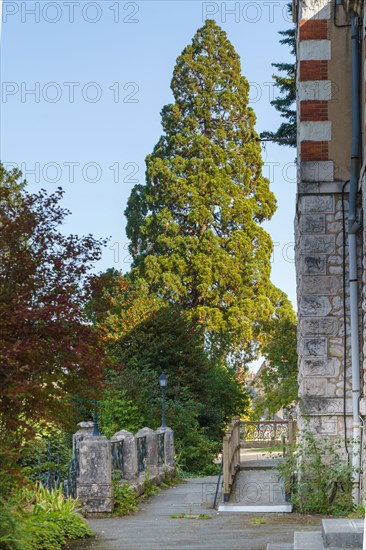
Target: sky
<point x="82" y="87"/>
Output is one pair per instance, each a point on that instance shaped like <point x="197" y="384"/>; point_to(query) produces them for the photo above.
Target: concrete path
<point x="152" y="528"/>
<point x="259" y="458"/>
<point x="257" y="488"/>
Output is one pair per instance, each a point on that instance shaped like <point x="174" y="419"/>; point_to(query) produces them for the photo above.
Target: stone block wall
<point x="96" y="463"/>
<point x="320" y="308"/>
<point x="324" y="144"/>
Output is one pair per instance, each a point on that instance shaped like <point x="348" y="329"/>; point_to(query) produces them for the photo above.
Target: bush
<point x="38" y="519"/>
<point x="51" y="448"/>
<point x="44" y="532"/>
<point x="318" y="476"/>
<point x="125" y="499"/>
<point x="13" y="535"/>
<point x="146" y="336"/>
<point x="194" y="450"/>
<point x="117" y="411"/>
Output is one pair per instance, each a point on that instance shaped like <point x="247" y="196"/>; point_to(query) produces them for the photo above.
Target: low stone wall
<point x="148" y="455"/>
<point x="139" y="486"/>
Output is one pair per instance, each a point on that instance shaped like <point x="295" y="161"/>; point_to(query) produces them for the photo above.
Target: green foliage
<point x="13" y="534"/>
<point x="171" y="480"/>
<point x="285" y="103"/>
<point x="44" y="533"/>
<point x="125" y="500"/>
<point x="225" y="397"/>
<point x="276" y="382"/>
<point x="144" y="337"/>
<point x="190" y="516"/>
<point x="52" y="501"/>
<point x="10" y="472"/>
<point x="38" y="519"/>
<point x="258" y="521"/>
<point x="194" y="449"/>
<point x="195" y="226"/>
<point x="54" y="519"/>
<point x="51" y="447"/>
<point x="151" y="488"/>
<point x="318" y="476"/>
<point x="117" y="410"/>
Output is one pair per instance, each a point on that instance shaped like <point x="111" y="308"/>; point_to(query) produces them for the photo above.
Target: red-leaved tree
<point x="48" y="350"/>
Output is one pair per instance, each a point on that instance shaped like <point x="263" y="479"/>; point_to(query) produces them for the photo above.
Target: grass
<point x="358" y="512"/>
<point x="126" y="500"/>
<point x="258" y="521"/>
<point x="190" y="516"/>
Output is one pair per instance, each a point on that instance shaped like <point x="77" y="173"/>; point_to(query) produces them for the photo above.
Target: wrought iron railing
<point x="161" y="449"/>
<point x="141" y="453"/>
<point x="70" y="484"/>
<point x="266" y="432"/>
<point x="51" y="474"/>
<point x="117" y="457"/>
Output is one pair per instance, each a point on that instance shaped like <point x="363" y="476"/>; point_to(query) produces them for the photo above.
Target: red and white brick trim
<point x="314" y="91"/>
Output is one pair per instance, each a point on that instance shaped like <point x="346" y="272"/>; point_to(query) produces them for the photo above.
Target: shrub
<point x="54" y="510"/>
<point x="125" y="499"/>
<point x="38" y="519"/>
<point x="44" y="532"/>
<point x="194" y="450"/>
<point x="13" y="535"/>
<point x="318" y="476"/>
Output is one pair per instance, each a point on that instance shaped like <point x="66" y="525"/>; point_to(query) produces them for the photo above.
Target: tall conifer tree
<point x="285" y="102"/>
<point x="195" y="226"/>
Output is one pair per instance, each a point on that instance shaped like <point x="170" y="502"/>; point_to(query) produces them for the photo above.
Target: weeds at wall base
<point x="317" y="477"/>
<point x="127" y="502"/>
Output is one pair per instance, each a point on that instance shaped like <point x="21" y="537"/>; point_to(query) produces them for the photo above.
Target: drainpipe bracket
<point x="354" y="225"/>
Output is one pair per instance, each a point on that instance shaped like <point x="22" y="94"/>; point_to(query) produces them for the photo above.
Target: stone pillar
<point x="85" y="431"/>
<point x="151" y="465"/>
<point x="160" y="432"/>
<point x="94" y="484"/>
<point x="169" y="448"/>
<point x="130" y="470"/>
<point x="324" y="138"/>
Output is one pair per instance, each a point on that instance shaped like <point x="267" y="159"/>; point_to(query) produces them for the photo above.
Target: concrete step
<point x="343" y="533"/>
<point x="258" y="488"/>
<point x="260" y="509"/>
<point x="268" y="464"/>
<point x="308" y="540"/>
<point x="280" y="546"/>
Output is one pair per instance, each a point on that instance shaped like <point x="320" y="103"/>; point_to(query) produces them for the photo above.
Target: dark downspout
<point x="353" y="227"/>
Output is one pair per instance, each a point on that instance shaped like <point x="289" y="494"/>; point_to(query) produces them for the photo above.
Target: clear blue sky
<point x="101" y="73"/>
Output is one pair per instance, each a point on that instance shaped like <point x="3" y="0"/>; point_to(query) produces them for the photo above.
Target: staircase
<point x="335" y="534"/>
<point x="257" y="487"/>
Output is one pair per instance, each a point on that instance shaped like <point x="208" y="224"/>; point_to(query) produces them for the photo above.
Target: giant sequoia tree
<point x="195" y="226"/>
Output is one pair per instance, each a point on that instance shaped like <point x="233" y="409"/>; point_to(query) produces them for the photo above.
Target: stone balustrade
<point x="147" y="455"/>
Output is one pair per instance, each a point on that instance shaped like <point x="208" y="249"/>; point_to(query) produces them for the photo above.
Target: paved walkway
<point x="152" y="528"/>
<point x="257" y="488"/>
<point x="258" y="482"/>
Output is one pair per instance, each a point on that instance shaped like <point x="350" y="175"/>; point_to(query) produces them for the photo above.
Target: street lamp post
<point x="163" y="381"/>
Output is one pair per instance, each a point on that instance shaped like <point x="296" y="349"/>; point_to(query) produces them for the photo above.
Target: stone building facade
<point x="324" y="91"/>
